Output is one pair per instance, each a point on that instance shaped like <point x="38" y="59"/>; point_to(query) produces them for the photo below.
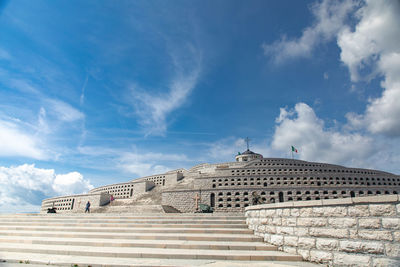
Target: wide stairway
<point x="136" y="240"/>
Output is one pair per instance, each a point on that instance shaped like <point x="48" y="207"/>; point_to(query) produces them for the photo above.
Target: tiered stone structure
<point x="361" y="231"/>
<point x="232" y="186"/>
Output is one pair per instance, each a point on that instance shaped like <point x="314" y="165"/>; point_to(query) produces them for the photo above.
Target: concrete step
<point x="132" y="225"/>
<point x="155" y="221"/>
<point x="129" y="230"/>
<point x="159" y="236"/>
<point x="15" y="259"/>
<point x="160" y="253"/>
<point x="197" y="216"/>
<point x="200" y="238"/>
<point x="121" y="207"/>
<point x="99" y="242"/>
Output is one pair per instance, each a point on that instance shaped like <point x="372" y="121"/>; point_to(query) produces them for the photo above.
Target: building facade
<point x="232" y="186"/>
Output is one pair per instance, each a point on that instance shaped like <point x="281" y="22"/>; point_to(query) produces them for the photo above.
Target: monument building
<point x="232" y="186"/>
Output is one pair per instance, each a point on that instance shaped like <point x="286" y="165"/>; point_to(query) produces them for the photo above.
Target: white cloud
<point x="33" y="138"/>
<point x="153" y="109"/>
<point x="82" y="97"/>
<point x="15" y="142"/>
<point x="226" y="149"/>
<point x="329" y="19"/>
<point x="97" y="151"/>
<point x="373" y="48"/>
<point x="304" y="130"/>
<point x="135" y="161"/>
<point x="64" y="111"/>
<point x="375" y="35"/>
<point x="143" y="169"/>
<point x="22" y="85"/>
<point x="149" y="163"/>
<point x="42" y="122"/>
<point x="70" y="183"/>
<point x="369" y="50"/>
<point x="22" y="188"/>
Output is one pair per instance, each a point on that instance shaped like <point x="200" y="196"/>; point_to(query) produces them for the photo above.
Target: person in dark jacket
<point x="87" y="207"/>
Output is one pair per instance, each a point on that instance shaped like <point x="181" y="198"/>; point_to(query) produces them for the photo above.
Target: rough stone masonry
<point x="363" y="231"/>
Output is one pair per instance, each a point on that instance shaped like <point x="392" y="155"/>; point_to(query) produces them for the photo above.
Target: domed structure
<point x="232" y="186"/>
<point x="248" y="155"/>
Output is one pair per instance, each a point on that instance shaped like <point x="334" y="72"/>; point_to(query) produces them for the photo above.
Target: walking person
<point x="87" y="207"/>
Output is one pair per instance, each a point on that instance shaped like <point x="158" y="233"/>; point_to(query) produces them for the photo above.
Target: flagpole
<point x="292" y="152"/>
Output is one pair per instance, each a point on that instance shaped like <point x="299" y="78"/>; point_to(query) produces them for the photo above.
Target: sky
<point x="101" y="92"/>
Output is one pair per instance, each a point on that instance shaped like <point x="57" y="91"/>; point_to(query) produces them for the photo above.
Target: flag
<point x="294" y="149"/>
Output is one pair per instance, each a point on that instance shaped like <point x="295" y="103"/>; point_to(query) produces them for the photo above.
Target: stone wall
<point x="126" y="190"/>
<point x="180" y="200"/>
<point x="141" y="188"/>
<point x="184" y="200"/>
<point x="75" y="203"/>
<point x="363" y="231"/>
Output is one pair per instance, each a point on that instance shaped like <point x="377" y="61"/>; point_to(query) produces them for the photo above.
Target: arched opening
<point x="352" y="194"/>
<point x="212" y="200"/>
<point x="131" y="192"/>
<point x="280" y="196"/>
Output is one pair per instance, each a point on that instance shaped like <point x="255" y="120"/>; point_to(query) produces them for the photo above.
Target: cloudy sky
<point x="100" y="92"/>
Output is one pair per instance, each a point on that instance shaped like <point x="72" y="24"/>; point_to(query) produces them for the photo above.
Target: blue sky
<point x="100" y="92"/>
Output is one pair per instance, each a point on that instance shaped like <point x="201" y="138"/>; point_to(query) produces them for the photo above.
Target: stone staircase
<point x="136" y="240"/>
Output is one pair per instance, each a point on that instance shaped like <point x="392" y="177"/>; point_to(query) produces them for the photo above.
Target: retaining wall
<point x="362" y="231"/>
<point x="75" y="203"/>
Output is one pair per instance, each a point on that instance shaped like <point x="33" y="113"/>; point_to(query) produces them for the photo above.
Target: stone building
<point x="231" y="186"/>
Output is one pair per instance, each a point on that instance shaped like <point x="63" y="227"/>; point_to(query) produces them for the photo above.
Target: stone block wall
<point x="126" y="190"/>
<point x="141" y="188"/>
<point x="204" y="183"/>
<point x="180" y="200"/>
<point x="363" y="231"/>
<point x="220" y="200"/>
<point x="76" y="203"/>
<point x="172" y="179"/>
